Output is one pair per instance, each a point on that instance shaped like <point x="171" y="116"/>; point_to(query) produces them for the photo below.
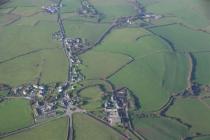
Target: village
<point x="52" y="100"/>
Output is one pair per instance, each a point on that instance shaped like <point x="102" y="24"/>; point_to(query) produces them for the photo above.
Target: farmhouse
<point x="116" y="108"/>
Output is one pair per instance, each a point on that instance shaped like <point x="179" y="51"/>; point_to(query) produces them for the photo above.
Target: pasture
<point x="196" y="15"/>
<point x="202" y="67"/>
<point x="185" y="110"/>
<point x="70" y="6"/>
<point x="52" y="130"/>
<point x="86" y="30"/>
<point x="114" y="8"/>
<point x="185" y="39"/>
<point x="92" y="98"/>
<point x="159" y="128"/>
<point x="98" y="64"/>
<point x="154" y="65"/>
<point x="22" y="60"/>
<point x="87" y="128"/>
<point x="202" y="138"/>
<point x="15" y="114"/>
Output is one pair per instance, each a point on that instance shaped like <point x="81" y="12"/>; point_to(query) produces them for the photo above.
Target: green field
<point x="154" y="66"/>
<point x="92" y="97"/>
<point x="25" y="3"/>
<point x="52" y="130"/>
<point x="70" y="6"/>
<point x="195" y="15"/>
<point x="202" y="67"/>
<point x="207" y="101"/>
<point x="86" y="30"/>
<point x="114" y="8"/>
<point x="98" y="64"/>
<point x="15" y="114"/>
<point x="89" y="83"/>
<point x="87" y="128"/>
<point x="24" y="59"/>
<point x="202" y="138"/>
<point x="184" y="39"/>
<point x="159" y="128"/>
<point x="193" y="112"/>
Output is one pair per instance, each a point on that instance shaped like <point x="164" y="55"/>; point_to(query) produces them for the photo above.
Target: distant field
<point x="86" y="30"/>
<point x="5" y="10"/>
<point x="202" y="138"/>
<point x="26" y="11"/>
<point x="193" y="112"/>
<point x="53" y="130"/>
<point x="25" y="3"/>
<point x="15" y="114"/>
<point x="87" y="128"/>
<point x="114" y="8"/>
<point x="203" y="67"/>
<point x="93" y="98"/>
<point x="159" y="128"/>
<point x="70" y="6"/>
<point x="195" y="15"/>
<point x="7" y="19"/>
<point x="102" y="64"/>
<point x="185" y="39"/>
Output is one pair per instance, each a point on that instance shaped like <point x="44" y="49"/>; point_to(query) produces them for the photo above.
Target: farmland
<point x="15" y="114"/>
<point x="160" y="128"/>
<point x="186" y="108"/>
<point x="92" y="96"/>
<point x="175" y="9"/>
<point x="152" y="61"/>
<point x="179" y="36"/>
<point x="96" y="130"/>
<point x="86" y="30"/>
<point x="52" y="130"/>
<point x="108" y="69"/>
<point x="111" y="63"/>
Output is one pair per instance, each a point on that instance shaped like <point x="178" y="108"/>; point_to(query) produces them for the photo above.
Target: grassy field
<point x="185" y="39"/>
<point x="202" y="138"/>
<point x="15" y="114"/>
<point x="185" y="110"/>
<point x="114" y="8"/>
<point x="7" y="19"/>
<point x="24" y="59"/>
<point x="87" y="128"/>
<point x="28" y="68"/>
<point x="159" y="128"/>
<point x="86" y="30"/>
<point x="70" y="6"/>
<point x="26" y="11"/>
<point x="202" y="67"/>
<point x="207" y="101"/>
<point x="155" y="66"/>
<point x="53" y="130"/>
<point x="195" y="15"/>
<point x="93" y="98"/>
<point x="154" y="71"/>
<point x="25" y="3"/>
<point x="93" y="82"/>
<point x="102" y="64"/>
